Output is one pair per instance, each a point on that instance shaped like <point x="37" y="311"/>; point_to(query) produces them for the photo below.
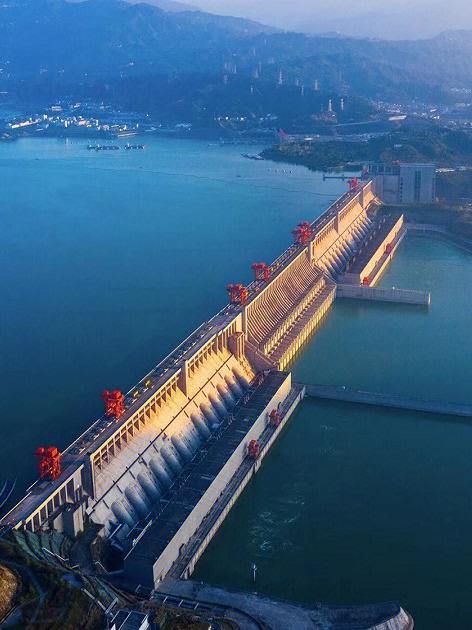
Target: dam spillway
<point x="122" y="472"/>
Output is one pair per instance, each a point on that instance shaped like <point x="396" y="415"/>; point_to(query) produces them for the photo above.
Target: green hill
<point x="435" y="144"/>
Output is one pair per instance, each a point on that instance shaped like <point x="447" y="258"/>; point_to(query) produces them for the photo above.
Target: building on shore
<point x="403" y="183"/>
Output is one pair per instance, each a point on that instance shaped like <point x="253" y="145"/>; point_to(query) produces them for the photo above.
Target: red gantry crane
<point x="114" y="403"/>
<point x="261" y="271"/>
<point x="353" y="184"/>
<point x="254" y="449"/>
<point x="302" y="233"/>
<point x="49" y="462"/>
<point x="275" y="418"/>
<point x="238" y="294"/>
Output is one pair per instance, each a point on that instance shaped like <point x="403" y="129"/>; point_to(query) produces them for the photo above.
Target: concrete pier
<point x="346" y="394"/>
<point x="376" y="252"/>
<point x="380" y="294"/>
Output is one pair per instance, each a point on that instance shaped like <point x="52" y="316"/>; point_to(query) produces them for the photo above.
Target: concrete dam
<point x="158" y="472"/>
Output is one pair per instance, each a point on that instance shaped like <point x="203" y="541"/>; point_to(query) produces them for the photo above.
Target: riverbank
<point x="407" y="144"/>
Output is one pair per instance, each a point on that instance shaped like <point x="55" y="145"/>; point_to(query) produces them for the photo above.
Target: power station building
<point x="404" y="183"/>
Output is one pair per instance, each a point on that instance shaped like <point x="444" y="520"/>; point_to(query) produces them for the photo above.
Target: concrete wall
<point x="339" y="226"/>
<point x="68" y="491"/>
<point x="336" y="230"/>
<point x="387" y="257"/>
<point x="350" y="240"/>
<point x="417" y="183"/>
<point x="368" y="194"/>
<point x="386" y="187"/>
<point x="305" y="332"/>
<point x="370" y="270"/>
<point x="284" y="312"/>
<point x="402" y="296"/>
<point x="258" y="359"/>
<point x="270" y="288"/>
<point x="405" y="183"/>
<point x="149" y="404"/>
<point x="325" y="239"/>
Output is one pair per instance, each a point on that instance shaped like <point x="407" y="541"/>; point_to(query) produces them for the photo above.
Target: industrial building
<point x="404" y="183"/>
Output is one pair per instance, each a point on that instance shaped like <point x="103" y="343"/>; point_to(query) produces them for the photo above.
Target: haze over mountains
<point x="402" y="19"/>
<point x="375" y="19"/>
<point x="169" y="5"/>
<point x="112" y="48"/>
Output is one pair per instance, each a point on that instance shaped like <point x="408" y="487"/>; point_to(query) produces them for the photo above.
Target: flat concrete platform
<point x="252" y="611"/>
<point x="346" y="394"/>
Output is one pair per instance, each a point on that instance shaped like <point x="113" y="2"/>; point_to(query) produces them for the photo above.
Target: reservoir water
<point x="109" y="259"/>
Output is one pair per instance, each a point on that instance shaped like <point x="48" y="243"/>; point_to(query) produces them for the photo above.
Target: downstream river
<point x="109" y="259"/>
<point x="358" y="504"/>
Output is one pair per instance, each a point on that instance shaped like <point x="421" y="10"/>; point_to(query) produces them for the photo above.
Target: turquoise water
<point x="396" y="348"/>
<point x="109" y="259"/>
<point x="357" y="504"/>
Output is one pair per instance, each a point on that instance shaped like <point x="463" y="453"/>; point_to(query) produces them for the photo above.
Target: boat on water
<point x="103" y="147"/>
<point x="252" y="156"/>
<point x="126" y="134"/>
<point x="114" y="147"/>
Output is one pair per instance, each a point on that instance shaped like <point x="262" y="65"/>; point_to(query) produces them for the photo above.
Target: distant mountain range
<point x="63" y="47"/>
<point x="402" y="19"/>
<point x="104" y="38"/>
<point x="167" y="5"/>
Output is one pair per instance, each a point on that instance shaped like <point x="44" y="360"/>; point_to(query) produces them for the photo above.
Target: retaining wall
<point x="380" y="294"/>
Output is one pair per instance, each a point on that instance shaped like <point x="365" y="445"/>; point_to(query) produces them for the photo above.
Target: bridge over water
<point x="346" y="394"/>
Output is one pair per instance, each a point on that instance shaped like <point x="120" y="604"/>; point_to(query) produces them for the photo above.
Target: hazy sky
<point x="377" y="18"/>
